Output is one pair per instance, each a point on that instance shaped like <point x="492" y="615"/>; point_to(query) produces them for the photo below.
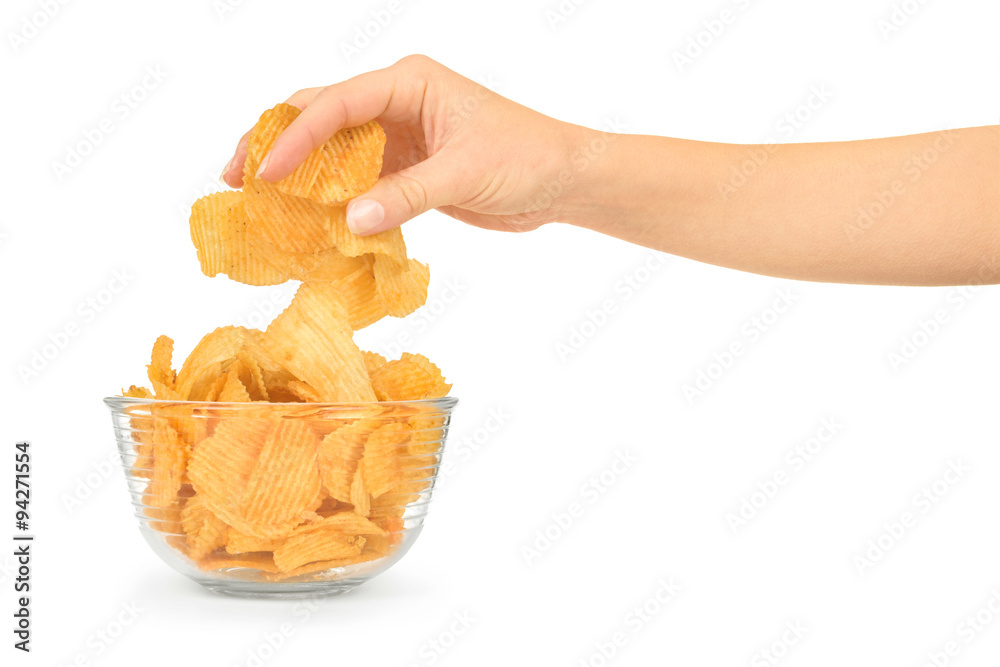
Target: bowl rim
<point x="445" y="403"/>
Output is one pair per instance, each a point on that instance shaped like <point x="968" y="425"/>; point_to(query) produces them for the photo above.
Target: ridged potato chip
<point x="221" y="465"/>
<point x="284" y="483"/>
<point x="380" y="463"/>
<point x="233" y="390"/>
<point x="345" y="166"/>
<point x="219" y="232"/>
<point x="313" y="340"/>
<point x="410" y="378"/>
<point x="161" y="375"/>
<point x="170" y="455"/>
<point x="360" y="498"/>
<point x="208" y="360"/>
<point x="205" y="531"/>
<point x="338" y="457"/>
<point x="400" y="288"/>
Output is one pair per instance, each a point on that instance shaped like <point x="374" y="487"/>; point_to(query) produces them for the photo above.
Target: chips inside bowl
<point x="231" y="465"/>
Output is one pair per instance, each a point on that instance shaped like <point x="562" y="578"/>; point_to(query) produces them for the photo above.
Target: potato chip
<point x="290" y="224"/>
<point x="304" y="391"/>
<point x="345" y="166"/>
<point x="233" y="390"/>
<point x="221" y="465"/>
<point x="313" y="340"/>
<point x="360" y="498"/>
<point x="380" y="463"/>
<point x="241" y="543"/>
<point x="323" y="565"/>
<point x="170" y="455"/>
<point x="359" y="294"/>
<point x="165" y="519"/>
<point x="401" y="289"/>
<point x="252" y="376"/>
<point x="338" y="457"/>
<point x="316" y="546"/>
<point x="372" y="360"/>
<point x="161" y="374"/>
<point x="219" y="232"/>
<point x="409" y="378"/>
<point x="210" y="357"/>
<point x="205" y="531"/>
<point x="284" y="483"/>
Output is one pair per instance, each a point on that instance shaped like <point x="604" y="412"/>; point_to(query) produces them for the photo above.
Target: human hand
<point x="451" y="145"/>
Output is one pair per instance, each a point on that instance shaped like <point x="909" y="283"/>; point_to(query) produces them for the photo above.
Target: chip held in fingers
<point x="290" y="452"/>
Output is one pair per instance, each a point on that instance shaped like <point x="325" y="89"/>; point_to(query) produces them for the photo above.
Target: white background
<point x="566" y="419"/>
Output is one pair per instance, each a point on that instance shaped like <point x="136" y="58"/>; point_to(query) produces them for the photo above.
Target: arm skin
<point x="913" y="210"/>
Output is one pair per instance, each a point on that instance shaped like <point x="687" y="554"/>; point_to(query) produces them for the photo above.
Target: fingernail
<point x="263" y="165"/>
<point x="363" y="215"/>
<point x="229" y="165"/>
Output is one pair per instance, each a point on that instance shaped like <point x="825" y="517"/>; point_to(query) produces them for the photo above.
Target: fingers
<point x="233" y="172"/>
<point x="396" y="91"/>
<point x="403" y="195"/>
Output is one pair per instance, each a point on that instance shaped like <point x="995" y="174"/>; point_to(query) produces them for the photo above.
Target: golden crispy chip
<point x="213" y="393"/>
<point x="313" y="340"/>
<point x="317" y="546"/>
<point x="252" y="376"/>
<point x="339" y="454"/>
<point x="409" y="378"/>
<point x="208" y="360"/>
<point x="241" y="543"/>
<point x="389" y="243"/>
<point x="358" y="292"/>
<point x="137" y="392"/>
<point x="221" y="465"/>
<point x="290" y="224"/>
<point x="166" y="519"/>
<point x="360" y="498"/>
<point x="304" y="391"/>
<point x="401" y="289"/>
<point x="170" y="455"/>
<point x="219" y="232"/>
<point x="284" y="483"/>
<point x="224" y="561"/>
<point x="161" y="374"/>
<point x="380" y="464"/>
<point x="142" y="433"/>
<point x="233" y="391"/>
<point x="345" y="166"/>
<point x="205" y="531"/>
<point x="372" y="360"/>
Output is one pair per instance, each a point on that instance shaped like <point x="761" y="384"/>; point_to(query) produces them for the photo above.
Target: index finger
<point x="391" y="92"/>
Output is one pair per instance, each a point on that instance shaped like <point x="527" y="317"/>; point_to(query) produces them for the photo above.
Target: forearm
<point x="914" y="210"/>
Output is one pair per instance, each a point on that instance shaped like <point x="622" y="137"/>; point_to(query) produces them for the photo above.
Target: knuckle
<point x="413" y="192"/>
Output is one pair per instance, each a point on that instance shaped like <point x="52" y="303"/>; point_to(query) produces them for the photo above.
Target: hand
<point x="452" y="145"/>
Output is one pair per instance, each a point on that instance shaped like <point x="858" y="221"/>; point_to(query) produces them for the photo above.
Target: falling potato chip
<point x="345" y="166"/>
<point x="290" y="224"/>
<point x="402" y="289"/>
<point x="412" y="377"/>
<point x="284" y="483"/>
<point x="313" y="340"/>
<point x="205" y="531"/>
<point x="358" y="292"/>
<point x="219" y="233"/>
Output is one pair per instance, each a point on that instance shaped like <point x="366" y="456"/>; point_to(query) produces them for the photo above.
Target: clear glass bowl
<point x="280" y="499"/>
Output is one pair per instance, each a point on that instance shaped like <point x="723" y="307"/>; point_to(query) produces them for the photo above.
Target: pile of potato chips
<point x="254" y="486"/>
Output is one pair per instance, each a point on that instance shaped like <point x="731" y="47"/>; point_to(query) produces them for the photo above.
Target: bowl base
<point x="282" y="591"/>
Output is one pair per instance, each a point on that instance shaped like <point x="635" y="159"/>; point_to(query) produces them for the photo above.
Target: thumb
<point x="400" y="196"/>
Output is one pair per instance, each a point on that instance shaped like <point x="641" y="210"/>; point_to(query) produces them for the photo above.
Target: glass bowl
<point x="280" y="499"/>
